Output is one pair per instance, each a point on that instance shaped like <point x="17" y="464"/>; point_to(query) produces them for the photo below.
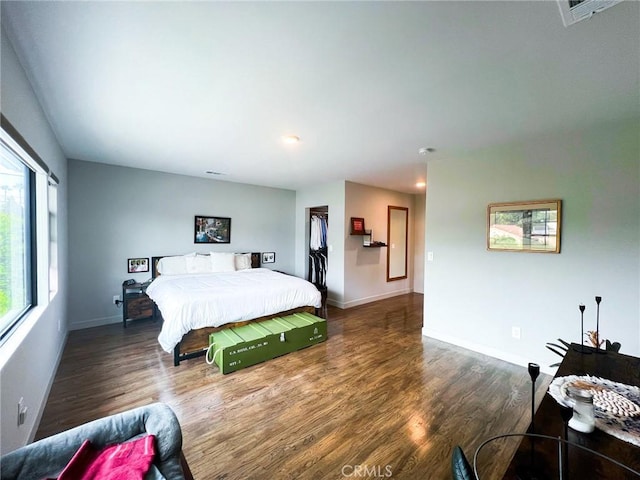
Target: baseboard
<point x="52" y="378"/>
<point x="334" y="303"/>
<point x="95" y="322"/>
<point x="374" y="298"/>
<point x="492" y="352"/>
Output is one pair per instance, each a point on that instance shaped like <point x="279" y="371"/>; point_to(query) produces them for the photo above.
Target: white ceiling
<point x="189" y="87"/>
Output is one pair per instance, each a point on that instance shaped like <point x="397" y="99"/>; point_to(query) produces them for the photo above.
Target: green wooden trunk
<point x="239" y="347"/>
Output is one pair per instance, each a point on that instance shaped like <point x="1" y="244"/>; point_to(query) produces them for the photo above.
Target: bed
<point x="197" y="295"/>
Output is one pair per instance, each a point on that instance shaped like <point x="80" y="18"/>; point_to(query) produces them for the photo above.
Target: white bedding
<point x="188" y="302"/>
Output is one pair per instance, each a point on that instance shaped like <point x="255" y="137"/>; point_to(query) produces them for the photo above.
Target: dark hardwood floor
<point x="376" y="400"/>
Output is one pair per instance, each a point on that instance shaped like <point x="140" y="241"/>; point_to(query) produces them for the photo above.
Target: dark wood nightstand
<point x="136" y="304"/>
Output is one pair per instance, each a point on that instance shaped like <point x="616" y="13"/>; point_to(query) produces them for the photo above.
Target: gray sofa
<point x="47" y="457"/>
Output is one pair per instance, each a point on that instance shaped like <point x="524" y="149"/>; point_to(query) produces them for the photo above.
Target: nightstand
<point x="136" y="304"/>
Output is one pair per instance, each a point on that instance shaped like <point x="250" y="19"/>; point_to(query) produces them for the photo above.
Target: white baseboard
<point x="372" y="298"/>
<point x="95" y="322"/>
<point x="492" y="352"/>
<point x="334" y="303"/>
<point x="36" y="424"/>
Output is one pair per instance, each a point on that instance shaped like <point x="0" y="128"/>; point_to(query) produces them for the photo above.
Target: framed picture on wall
<point x="212" y="229"/>
<point x="532" y="226"/>
<point x="268" y="257"/>
<point x="357" y="226"/>
<point x="135" y="265"/>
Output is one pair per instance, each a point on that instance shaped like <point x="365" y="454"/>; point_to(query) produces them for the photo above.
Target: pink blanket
<point x="124" y="461"/>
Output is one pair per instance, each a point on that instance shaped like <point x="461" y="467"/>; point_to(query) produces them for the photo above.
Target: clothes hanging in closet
<point x="318" y="268"/>
<point x="318" y="236"/>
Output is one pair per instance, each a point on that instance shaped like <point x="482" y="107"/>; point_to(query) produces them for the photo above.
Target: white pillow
<point x="198" y="264"/>
<point x="243" y="261"/>
<point x="222" y="262"/>
<point x="172" y="265"/>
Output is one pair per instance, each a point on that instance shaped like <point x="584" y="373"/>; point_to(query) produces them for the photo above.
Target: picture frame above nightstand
<point x="135" y="265"/>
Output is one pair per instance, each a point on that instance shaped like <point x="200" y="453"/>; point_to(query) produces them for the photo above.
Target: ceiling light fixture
<point x="425" y="150"/>
<point x="291" y="139"/>
<point x="421" y="184"/>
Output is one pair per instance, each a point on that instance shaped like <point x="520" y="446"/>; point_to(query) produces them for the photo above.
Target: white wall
<point x="29" y="358"/>
<point x="116" y="213"/>
<point x="365" y="269"/>
<point x="473" y="297"/>
<point x="419" y="205"/>
<point x="331" y="195"/>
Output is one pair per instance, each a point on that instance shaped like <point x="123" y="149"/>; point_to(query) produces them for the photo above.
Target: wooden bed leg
<point x="176" y="355"/>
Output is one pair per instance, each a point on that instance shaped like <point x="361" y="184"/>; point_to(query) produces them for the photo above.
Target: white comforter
<point x="188" y="302"/>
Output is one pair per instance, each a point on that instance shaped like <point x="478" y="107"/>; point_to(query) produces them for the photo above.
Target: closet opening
<point x="318" y="254"/>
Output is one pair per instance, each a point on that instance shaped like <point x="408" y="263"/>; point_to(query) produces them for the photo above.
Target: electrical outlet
<point x="22" y="412"/>
<point x="116" y="299"/>
<point x="515" y="332"/>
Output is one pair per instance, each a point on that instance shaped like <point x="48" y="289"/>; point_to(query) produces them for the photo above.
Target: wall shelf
<point x="366" y="239"/>
<point x="375" y="245"/>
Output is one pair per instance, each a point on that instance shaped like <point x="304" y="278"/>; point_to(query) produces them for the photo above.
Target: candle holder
<point x="531" y="472"/>
<point x="581" y="307"/>
<point x="566" y="412"/>
<point x="598" y="349"/>
<point x="534" y="371"/>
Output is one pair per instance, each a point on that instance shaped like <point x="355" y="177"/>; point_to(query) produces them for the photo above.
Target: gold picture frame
<point x="531" y="226"/>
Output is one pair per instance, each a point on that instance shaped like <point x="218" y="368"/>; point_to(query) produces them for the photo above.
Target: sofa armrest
<point x="47" y="457"/>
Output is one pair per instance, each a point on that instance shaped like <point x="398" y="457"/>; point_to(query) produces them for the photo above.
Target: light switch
<point x="429" y="256"/>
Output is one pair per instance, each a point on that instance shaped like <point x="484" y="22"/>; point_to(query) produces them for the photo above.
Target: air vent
<point x="573" y="11"/>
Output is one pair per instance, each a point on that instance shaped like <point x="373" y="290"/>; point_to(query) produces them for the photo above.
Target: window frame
<point x="37" y="228"/>
<point x="30" y="244"/>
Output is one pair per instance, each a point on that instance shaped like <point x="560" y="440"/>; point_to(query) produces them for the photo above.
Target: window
<point x="28" y="230"/>
<point x="53" y="238"/>
<point x="17" y="200"/>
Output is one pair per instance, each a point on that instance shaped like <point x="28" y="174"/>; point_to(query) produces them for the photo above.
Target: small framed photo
<point x="268" y="257"/>
<point x="135" y="265"/>
<point x="357" y="226"/>
<point x="212" y="229"/>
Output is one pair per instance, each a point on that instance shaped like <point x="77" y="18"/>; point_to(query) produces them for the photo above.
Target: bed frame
<point x="195" y="343"/>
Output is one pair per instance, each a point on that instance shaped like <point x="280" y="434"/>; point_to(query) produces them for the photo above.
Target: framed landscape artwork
<point x="212" y="229"/>
<point x="532" y="226"/>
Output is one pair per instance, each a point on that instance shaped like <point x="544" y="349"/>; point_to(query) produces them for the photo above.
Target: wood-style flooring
<point x="376" y="400"/>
